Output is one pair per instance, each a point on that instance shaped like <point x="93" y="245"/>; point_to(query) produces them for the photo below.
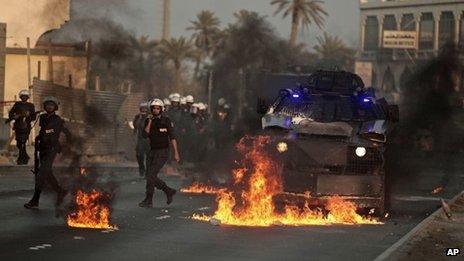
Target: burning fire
<point x="91" y="211"/>
<point x="198" y="188"/>
<point x="254" y="205"/>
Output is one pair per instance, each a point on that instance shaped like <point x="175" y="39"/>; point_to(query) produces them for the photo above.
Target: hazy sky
<point x="145" y="16"/>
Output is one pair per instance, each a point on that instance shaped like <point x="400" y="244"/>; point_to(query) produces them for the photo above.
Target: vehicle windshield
<point x="329" y="109"/>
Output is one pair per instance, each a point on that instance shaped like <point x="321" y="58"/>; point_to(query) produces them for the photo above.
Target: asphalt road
<point x="166" y="233"/>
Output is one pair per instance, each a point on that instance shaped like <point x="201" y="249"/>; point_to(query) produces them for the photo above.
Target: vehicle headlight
<point x="282" y="147"/>
<point x="360" y="152"/>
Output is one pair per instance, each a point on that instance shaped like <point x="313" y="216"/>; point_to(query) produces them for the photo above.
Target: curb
<point x="387" y="253"/>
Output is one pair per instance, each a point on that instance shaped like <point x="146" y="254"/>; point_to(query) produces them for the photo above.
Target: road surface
<point x="166" y="232"/>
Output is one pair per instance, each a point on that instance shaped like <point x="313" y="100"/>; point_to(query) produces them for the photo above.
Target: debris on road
<point x="437" y="190"/>
<point x="163" y="217"/>
<point x="446" y="209"/>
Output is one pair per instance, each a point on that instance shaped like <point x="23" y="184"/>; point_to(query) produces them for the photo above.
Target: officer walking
<point x="159" y="130"/>
<point x="23" y="113"/>
<point x="47" y="146"/>
<point x="142" y="147"/>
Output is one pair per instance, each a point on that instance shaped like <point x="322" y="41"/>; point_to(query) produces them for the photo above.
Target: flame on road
<point x="198" y="188"/>
<point x="251" y="201"/>
<point x="91" y="211"/>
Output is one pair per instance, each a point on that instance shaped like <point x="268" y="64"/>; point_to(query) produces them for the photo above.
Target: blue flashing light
<point x="296" y="96"/>
<point x="366" y="100"/>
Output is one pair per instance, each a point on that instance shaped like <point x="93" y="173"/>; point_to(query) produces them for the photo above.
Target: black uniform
<point x="142" y="147"/>
<point x="48" y="145"/>
<point x="160" y="135"/>
<point x="176" y="115"/>
<point x="25" y="113"/>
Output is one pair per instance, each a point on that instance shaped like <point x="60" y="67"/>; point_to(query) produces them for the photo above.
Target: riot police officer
<point x="47" y="146"/>
<point x="160" y="131"/>
<point x="175" y="112"/>
<point x="167" y="104"/>
<point x="142" y="147"/>
<point x="23" y="113"/>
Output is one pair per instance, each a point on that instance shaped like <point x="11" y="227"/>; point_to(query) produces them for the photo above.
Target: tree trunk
<point x="197" y="66"/>
<point x="294" y="33"/>
<point x="177" y="80"/>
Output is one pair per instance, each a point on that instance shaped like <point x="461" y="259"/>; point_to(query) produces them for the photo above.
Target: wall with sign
<point x="400" y="40"/>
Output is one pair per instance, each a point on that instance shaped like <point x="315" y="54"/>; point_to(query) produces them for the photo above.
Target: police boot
<point x="34" y="202"/>
<point x="147" y="202"/>
<point x="60" y="197"/>
<point x="170" y="192"/>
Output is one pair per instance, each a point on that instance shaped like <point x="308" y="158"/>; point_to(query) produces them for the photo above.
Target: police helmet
<point x="51" y="99"/>
<point x="201" y="106"/>
<point x="183" y="101"/>
<point x="143" y="105"/>
<point x="24" y="93"/>
<point x="157" y="102"/>
<point x="175" y="97"/>
<point x="189" y="99"/>
<point x="222" y="101"/>
<point x="194" y="108"/>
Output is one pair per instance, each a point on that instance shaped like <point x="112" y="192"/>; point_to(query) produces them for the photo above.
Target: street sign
<point x="400" y="39"/>
<point x="364" y="70"/>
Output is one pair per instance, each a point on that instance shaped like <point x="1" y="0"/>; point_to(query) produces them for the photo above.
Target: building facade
<point x="429" y="24"/>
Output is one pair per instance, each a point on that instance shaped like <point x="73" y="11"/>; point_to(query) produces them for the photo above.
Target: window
<point x="446" y="33"/>
<point x="426" y="34"/>
<point x="389" y="23"/>
<point x="408" y="23"/>
<point x="371" y="34"/>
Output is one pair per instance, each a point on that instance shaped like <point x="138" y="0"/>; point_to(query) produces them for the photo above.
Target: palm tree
<point x="243" y="15"/>
<point x="143" y="45"/>
<point x="333" y="51"/>
<point x="304" y="13"/>
<point x="206" y="29"/>
<point x="143" y="48"/>
<point x="177" y="51"/>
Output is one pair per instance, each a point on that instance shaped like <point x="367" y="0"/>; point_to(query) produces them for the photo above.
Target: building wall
<point x="16" y="77"/>
<point x="408" y="15"/>
<point x="2" y="60"/>
<point x="4" y="129"/>
<point x="32" y="18"/>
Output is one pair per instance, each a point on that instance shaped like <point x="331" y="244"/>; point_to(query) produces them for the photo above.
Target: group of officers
<point x="177" y="123"/>
<point x="197" y="130"/>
